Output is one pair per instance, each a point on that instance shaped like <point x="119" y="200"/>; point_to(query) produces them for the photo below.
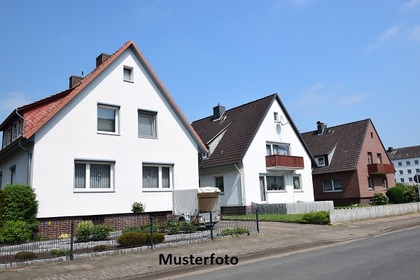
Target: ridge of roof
<point x="404" y="152"/>
<point x="54" y="103"/>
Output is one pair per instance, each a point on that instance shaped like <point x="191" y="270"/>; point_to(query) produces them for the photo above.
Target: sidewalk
<point x="274" y="238"/>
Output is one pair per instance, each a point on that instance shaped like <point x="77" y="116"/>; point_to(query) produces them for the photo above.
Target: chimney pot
<point x="321" y="127"/>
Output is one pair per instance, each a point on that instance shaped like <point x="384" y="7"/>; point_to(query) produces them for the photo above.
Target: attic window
<point x="320" y="161"/>
<point x="128" y="74"/>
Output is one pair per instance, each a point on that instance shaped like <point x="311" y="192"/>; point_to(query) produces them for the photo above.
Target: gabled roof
<point x="347" y="140"/>
<point x="404" y="153"/>
<point x="40" y="112"/>
<point x="239" y="125"/>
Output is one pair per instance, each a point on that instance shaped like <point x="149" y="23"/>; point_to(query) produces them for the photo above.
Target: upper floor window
<point x="128" y="74"/>
<point x="277" y="149"/>
<point x="147" y="124"/>
<point x="93" y="176"/>
<point x="399" y="163"/>
<point x="379" y="158"/>
<point x="276" y="116"/>
<point x="108" y="119"/>
<point x="416" y="161"/>
<point x="321" y="161"/>
<point x="407" y="162"/>
<point x="369" y="158"/>
<point x="12" y="174"/>
<point x="157" y="176"/>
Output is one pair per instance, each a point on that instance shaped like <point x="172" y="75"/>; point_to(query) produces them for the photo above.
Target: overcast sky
<point x="332" y="61"/>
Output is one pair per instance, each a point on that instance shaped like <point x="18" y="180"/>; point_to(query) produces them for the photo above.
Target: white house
<point x="114" y="137"/>
<point x="406" y="162"/>
<point x="256" y="154"/>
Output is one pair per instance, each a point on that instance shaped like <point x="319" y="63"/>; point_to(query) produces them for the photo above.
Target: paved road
<point x="389" y="256"/>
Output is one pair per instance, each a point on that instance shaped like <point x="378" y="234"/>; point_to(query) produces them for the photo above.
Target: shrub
<point x="320" y="218"/>
<point x="20" y="205"/>
<point x="100" y="232"/>
<point x="396" y="194"/>
<point x="234" y="231"/>
<point x="137" y="207"/>
<point x="25" y="255"/>
<point x="138" y="239"/>
<point x="59" y="252"/>
<point x="2" y="207"/>
<point x="15" y="232"/>
<point x="143" y="228"/>
<point x="84" y="230"/>
<point x="411" y="193"/>
<point x="181" y="226"/>
<point x="379" y="199"/>
<point x="100" y="248"/>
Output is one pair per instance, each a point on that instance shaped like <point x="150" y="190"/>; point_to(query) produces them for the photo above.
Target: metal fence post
<point x="71" y="240"/>
<point x="151" y="230"/>
<point x="211" y="225"/>
<point x="258" y="220"/>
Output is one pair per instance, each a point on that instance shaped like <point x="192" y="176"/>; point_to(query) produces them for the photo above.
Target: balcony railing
<point x="283" y="162"/>
<point x="380" y="168"/>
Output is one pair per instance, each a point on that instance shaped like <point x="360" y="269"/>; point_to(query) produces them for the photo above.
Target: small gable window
<point x="108" y="119"/>
<point x="147" y="124"/>
<point x="128" y="74"/>
<point x="321" y="161"/>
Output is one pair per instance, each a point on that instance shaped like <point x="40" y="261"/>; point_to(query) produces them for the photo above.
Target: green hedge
<point x="320" y="218"/>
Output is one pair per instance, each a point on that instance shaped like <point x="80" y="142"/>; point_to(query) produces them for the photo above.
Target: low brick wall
<point x="54" y="227"/>
<point x="364" y="213"/>
<point x="292" y="208"/>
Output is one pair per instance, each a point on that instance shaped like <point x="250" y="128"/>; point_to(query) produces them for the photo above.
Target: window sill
<point x="298" y="191"/>
<point x="93" y="191"/>
<point x="148" y="137"/>
<point x="276" y="191"/>
<point x="108" y="133"/>
<point x="156" y="190"/>
<point x="332" y="191"/>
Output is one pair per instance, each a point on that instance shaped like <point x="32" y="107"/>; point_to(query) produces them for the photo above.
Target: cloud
<point x="414" y="33"/>
<point x="11" y="101"/>
<point x="385" y="37"/>
<point x="352" y="99"/>
<point x="410" y="5"/>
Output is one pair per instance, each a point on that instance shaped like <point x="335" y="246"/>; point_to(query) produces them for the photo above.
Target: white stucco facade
<point x="71" y="136"/>
<point x="245" y="182"/>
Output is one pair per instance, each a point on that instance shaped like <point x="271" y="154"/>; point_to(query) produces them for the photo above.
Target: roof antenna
<point x="82" y="74"/>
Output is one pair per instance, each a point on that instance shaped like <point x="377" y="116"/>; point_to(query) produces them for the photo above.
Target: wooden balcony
<point x="282" y="162"/>
<point x="380" y="168"/>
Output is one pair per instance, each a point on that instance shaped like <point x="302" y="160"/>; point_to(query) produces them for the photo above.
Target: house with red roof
<point x="116" y="136"/>
<point x="352" y="163"/>
<point x="256" y="154"/>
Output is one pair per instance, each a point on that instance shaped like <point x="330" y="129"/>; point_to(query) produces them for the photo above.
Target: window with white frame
<point x="275" y="183"/>
<point x="407" y="162"/>
<point x="157" y="176"/>
<point x="370" y="183"/>
<point x="147" y="124"/>
<point x="93" y="176"/>
<point x="321" y="161"/>
<point x="399" y="163"/>
<point x="416" y="161"/>
<point x="385" y="183"/>
<point x="297" y="183"/>
<point x="108" y="119"/>
<point x="128" y="74"/>
<point x="333" y="185"/>
<point x="219" y="182"/>
<point x="277" y="149"/>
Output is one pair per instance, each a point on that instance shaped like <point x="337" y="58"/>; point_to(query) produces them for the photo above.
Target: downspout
<point x="28" y="173"/>
<point x="243" y="198"/>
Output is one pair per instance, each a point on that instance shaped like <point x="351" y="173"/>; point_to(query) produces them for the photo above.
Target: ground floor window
<point x="93" y="176"/>
<point x="332" y="185"/>
<point x="370" y="183"/>
<point x="297" y="183"/>
<point x="157" y="176"/>
<point x="220" y="183"/>
<point x="275" y="183"/>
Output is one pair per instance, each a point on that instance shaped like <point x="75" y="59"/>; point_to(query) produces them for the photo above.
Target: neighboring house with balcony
<point x="406" y="162"/>
<point x="352" y="162"/>
<point x="114" y="137"/>
<point x="256" y="154"/>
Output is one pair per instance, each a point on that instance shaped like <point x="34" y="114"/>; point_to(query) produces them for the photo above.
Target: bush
<point x="100" y="232"/>
<point x="138" y="239"/>
<point x="143" y="228"/>
<point x="25" y="255"/>
<point x="411" y="193"/>
<point x="15" y="232"/>
<point x="100" y="248"/>
<point x="87" y="231"/>
<point x="396" y="194"/>
<point x="84" y="231"/>
<point x="320" y="218"/>
<point x="59" y="252"/>
<point x="2" y="207"/>
<point x="137" y="207"/>
<point x="379" y="199"/>
<point x="178" y="227"/>
<point x="20" y="205"/>
<point x="234" y="231"/>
